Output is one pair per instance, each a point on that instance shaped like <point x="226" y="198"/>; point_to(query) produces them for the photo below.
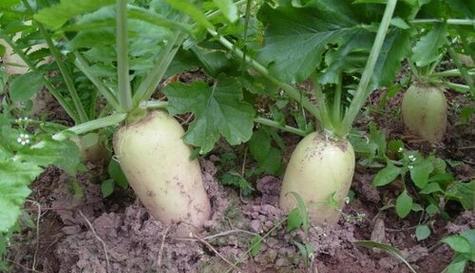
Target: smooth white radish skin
<point x="320" y="170"/>
<point x="424" y="111"/>
<point x="157" y="164"/>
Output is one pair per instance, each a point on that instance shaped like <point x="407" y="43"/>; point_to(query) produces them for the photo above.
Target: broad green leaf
<point x="422" y="232"/>
<point x="56" y="16"/>
<point x="432" y="210"/>
<point x="14" y="180"/>
<point x="296" y="38"/>
<point x="107" y="187"/>
<point x="219" y="111"/>
<point x="302" y="210"/>
<point x="420" y="172"/>
<point x="431" y="188"/>
<point x="25" y="86"/>
<point x="395" y="48"/>
<point x="228" y="8"/>
<point x="403" y="204"/>
<point x="427" y="49"/>
<point x="8" y="3"/>
<point x="294" y="220"/>
<point x="268" y="157"/>
<point x="400" y="23"/>
<point x="63" y="154"/>
<point x="458" y="243"/>
<point x="470" y="236"/>
<point x="386" y="175"/>
<point x="191" y="10"/>
<point x="456" y="266"/>
<point x="462" y="192"/>
<point x="116" y="173"/>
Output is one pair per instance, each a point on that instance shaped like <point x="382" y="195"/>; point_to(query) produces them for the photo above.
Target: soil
<point x="79" y="231"/>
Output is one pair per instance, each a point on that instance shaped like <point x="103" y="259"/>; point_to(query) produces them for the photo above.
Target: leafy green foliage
<point x="219" y="111"/>
<point x="23" y="156"/>
<point x="464" y="246"/>
<point x="404" y="204"/>
<point x="57" y="15"/>
<point x="386" y="175"/>
<point x="428" y="48"/>
<point x="237" y="181"/>
<point x="422" y="232"/>
<point x="255" y="245"/>
<point x="298" y="217"/>
<point x="23" y="87"/>
<point x="268" y="157"/>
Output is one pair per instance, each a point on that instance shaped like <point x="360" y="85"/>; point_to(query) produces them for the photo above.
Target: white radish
<point x="320" y="170"/>
<point x="157" y="165"/>
<point x="424" y="111"/>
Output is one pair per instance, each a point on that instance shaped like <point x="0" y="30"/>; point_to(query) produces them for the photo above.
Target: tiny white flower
<point x="23" y="139"/>
<point x="410" y="166"/>
<point x="400" y="150"/>
<point x="347" y="200"/>
<point x="281" y="93"/>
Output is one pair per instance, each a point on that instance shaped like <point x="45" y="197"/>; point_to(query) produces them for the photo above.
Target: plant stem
<point x="153" y="78"/>
<point x="68" y="80"/>
<point x="362" y="92"/>
<point x="64" y="104"/>
<point x="92" y="125"/>
<point x="277" y="125"/>
<point x="156" y="104"/>
<point x="337" y="101"/>
<point x="82" y="65"/>
<point x="463" y="70"/>
<point x="457" y="87"/>
<point x="452" y="73"/>
<point x="125" y="93"/>
<point x="290" y="90"/>
<point x="463" y="22"/>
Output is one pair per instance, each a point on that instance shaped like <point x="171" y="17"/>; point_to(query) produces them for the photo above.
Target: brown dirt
<point x="135" y="242"/>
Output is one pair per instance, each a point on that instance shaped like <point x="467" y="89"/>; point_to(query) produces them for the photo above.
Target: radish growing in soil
<point x="157" y="165"/>
<point x="424" y="111"/>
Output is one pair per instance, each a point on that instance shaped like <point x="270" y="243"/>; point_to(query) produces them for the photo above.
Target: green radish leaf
<point x="403" y="204"/>
<point x="470" y="236"/>
<point x="457" y="265"/>
<point x="107" y="187"/>
<point x="422" y="232"/>
<point x="427" y="50"/>
<point x="219" y="110"/>
<point x="116" y="173"/>
<point x="191" y="10"/>
<point x="420" y="172"/>
<point x="416" y="207"/>
<point x="294" y="220"/>
<point x="315" y="27"/>
<point x="302" y="209"/>
<point x="255" y="245"/>
<point x="400" y="23"/>
<point x="386" y="175"/>
<point x="56" y="16"/>
<point x="463" y="193"/>
<point x="14" y="180"/>
<point x="431" y="188"/>
<point x="396" y="47"/>
<point x="268" y="157"/>
<point x="432" y="210"/>
<point x="8" y="3"/>
<point x="386" y="248"/>
<point x="63" y="154"/>
<point x="228" y="8"/>
<point x="25" y="86"/>
<point x="458" y="243"/>
<point x="236" y="180"/>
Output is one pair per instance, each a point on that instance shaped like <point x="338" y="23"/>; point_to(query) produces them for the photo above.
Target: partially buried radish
<point x="157" y="164"/>
<point x="320" y="171"/>
<point x="424" y="111"/>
